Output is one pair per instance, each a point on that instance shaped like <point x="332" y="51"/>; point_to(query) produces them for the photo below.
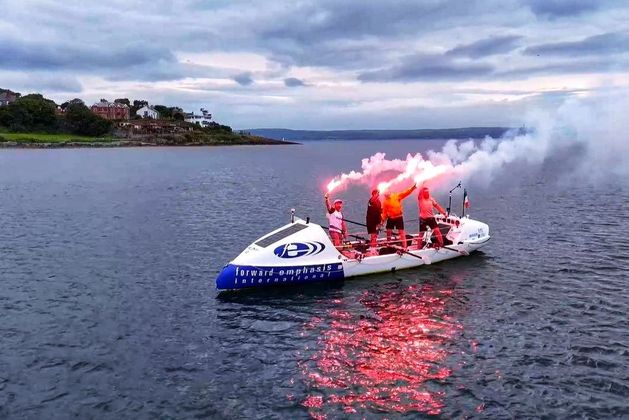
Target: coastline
<point x="70" y="144"/>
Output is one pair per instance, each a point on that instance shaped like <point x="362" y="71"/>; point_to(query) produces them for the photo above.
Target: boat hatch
<point x="277" y="236"/>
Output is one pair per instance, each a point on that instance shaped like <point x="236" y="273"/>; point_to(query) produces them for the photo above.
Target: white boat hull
<point x="301" y="252"/>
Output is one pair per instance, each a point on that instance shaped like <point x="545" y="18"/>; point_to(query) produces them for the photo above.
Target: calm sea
<point x="108" y="308"/>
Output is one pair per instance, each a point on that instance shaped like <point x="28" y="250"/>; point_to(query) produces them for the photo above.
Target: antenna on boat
<point x="450" y="198"/>
<point x="292" y="215"/>
<point x="465" y="202"/>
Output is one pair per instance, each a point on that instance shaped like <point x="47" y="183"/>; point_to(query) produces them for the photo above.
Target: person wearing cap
<point x="426" y="216"/>
<point x="374" y="215"/>
<point x="393" y="213"/>
<point x="337" y="227"/>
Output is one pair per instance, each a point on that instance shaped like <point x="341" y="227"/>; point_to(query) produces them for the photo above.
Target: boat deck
<point x="361" y="246"/>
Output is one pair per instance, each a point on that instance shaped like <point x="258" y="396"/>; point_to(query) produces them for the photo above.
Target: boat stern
<point x="474" y="234"/>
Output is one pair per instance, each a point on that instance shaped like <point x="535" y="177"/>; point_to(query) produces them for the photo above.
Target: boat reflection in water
<point x="386" y="356"/>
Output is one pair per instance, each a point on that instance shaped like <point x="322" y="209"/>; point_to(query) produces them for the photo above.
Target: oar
<point x="462" y="252"/>
<point x="424" y="258"/>
<point x="356" y="223"/>
<point x="452" y="249"/>
<point x="349" y="234"/>
<point x="358" y="237"/>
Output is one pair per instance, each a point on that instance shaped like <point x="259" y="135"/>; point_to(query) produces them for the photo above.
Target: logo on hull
<point x="299" y="249"/>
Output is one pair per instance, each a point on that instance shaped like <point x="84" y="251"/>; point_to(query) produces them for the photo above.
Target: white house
<point x="147" y="112"/>
<point x="203" y="120"/>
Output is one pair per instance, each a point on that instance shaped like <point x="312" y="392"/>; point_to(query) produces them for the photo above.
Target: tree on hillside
<point x="71" y="101"/>
<point x="80" y="120"/>
<point x="178" y="114"/>
<point x="214" y="126"/>
<point x="164" y="112"/>
<point x="30" y="113"/>
<point x="137" y="104"/>
<point x="125" y="101"/>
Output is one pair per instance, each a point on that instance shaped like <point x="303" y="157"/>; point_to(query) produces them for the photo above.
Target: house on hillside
<point x="111" y="110"/>
<point x="147" y="112"/>
<point x="204" y="120"/>
<point x="7" y="96"/>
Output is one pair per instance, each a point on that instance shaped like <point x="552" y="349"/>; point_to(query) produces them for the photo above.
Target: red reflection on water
<point x="388" y="358"/>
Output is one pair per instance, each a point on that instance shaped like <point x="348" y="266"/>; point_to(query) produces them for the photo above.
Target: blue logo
<point x="298" y="249"/>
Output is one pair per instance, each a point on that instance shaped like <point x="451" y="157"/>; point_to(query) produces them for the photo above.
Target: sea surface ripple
<point x="108" y="308"/>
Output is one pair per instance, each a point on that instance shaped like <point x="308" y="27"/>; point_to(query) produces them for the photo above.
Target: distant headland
<point x="418" y="134"/>
<point x="33" y="121"/>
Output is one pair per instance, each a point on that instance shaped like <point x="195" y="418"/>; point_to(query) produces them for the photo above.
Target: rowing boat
<point x="302" y="252"/>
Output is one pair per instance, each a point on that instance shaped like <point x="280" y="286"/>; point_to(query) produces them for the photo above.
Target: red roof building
<point x="111" y="110"/>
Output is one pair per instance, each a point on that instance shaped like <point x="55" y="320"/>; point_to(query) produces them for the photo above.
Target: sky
<point x="326" y="64"/>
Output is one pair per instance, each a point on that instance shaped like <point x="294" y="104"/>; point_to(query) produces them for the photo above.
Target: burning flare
<point x="377" y="167"/>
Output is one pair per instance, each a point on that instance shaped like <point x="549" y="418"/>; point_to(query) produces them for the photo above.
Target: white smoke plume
<point x="596" y="130"/>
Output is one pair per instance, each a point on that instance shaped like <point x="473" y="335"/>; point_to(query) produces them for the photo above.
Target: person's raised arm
<point x="328" y="207"/>
<point x="407" y="192"/>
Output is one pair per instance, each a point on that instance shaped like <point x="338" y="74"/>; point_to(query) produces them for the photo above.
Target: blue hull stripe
<point x="243" y="276"/>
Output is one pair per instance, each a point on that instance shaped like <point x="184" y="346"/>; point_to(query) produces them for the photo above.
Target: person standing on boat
<point x="374" y="215"/>
<point x="426" y="216"/>
<point x="337" y="227"/>
<point x="393" y="213"/>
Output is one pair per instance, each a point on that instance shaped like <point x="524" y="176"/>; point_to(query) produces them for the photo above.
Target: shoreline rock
<point x="131" y="143"/>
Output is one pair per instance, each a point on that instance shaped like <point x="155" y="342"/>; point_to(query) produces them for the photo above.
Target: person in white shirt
<point x="337" y="227"/>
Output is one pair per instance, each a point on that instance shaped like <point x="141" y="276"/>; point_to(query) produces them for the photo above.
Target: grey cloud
<point x="40" y="82"/>
<point x="243" y="79"/>
<point x="427" y="68"/>
<point x="513" y="92"/>
<point x="486" y="47"/>
<point x="130" y="62"/>
<point x="354" y="19"/>
<point x="571" y="67"/>
<point x="162" y="70"/>
<point x="58" y="84"/>
<point x="563" y="8"/>
<point x="48" y="56"/>
<point x="330" y="54"/>
<point x="609" y="43"/>
<point x="558" y="95"/>
<point x="343" y="34"/>
<point x="293" y="82"/>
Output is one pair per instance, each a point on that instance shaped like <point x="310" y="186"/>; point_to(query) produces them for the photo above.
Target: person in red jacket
<point x="393" y="213"/>
<point x="426" y="216"/>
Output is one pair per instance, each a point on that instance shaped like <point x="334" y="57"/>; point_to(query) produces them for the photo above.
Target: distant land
<point x="419" y="134"/>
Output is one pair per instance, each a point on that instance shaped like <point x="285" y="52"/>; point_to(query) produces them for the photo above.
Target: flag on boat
<point x="466" y="200"/>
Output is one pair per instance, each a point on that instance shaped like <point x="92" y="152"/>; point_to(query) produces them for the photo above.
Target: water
<point x="108" y="308"/>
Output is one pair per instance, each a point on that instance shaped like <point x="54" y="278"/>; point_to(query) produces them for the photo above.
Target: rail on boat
<point x="360" y="246"/>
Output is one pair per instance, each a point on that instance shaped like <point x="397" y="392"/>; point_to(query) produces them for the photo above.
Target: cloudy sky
<point x="321" y="64"/>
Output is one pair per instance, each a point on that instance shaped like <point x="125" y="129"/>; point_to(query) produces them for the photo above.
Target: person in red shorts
<point x="426" y="216"/>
